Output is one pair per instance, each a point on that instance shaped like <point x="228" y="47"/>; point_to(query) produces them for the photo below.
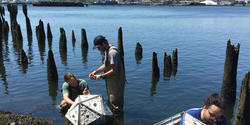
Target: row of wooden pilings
<point x="228" y="89"/>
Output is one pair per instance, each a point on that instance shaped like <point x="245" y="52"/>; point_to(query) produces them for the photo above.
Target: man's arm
<point x="67" y="99"/>
<point x="112" y="71"/>
<point x="100" y="69"/>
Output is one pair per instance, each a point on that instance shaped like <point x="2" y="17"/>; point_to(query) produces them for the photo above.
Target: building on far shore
<point x="209" y="2"/>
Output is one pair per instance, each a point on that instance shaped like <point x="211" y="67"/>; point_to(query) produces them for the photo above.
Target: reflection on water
<point x="138" y="59"/>
<point x="84" y="55"/>
<point x="6" y="51"/>
<point x="174" y="70"/>
<point x="23" y="60"/>
<point x="30" y="51"/>
<point x="63" y="55"/>
<point x="153" y="86"/>
<point x="3" y="71"/>
<point x="53" y="86"/>
<point x="41" y="47"/>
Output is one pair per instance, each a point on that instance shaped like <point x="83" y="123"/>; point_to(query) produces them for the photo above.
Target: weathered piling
<point x="2" y="11"/>
<point x="19" y="34"/>
<point x="12" y="8"/>
<point x="5" y="30"/>
<point x="228" y="89"/>
<point x="52" y="74"/>
<point x="174" y="61"/>
<point x="28" y="26"/>
<point x="1" y="25"/>
<point x="28" y="29"/>
<point x="73" y="39"/>
<point x="243" y="110"/>
<point x="138" y="52"/>
<point x="167" y="70"/>
<point x="17" y="37"/>
<point x="155" y="68"/>
<point x="84" y="43"/>
<point x="40" y="34"/>
<point x="155" y="74"/>
<point x="120" y="46"/>
<point x="63" y="46"/>
<point x="63" y="40"/>
<point x="49" y="36"/>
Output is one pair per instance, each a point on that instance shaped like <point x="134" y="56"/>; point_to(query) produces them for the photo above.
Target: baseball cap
<point x="99" y="40"/>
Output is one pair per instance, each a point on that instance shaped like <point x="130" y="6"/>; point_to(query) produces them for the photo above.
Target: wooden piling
<point x="174" y="61"/>
<point x="243" y="110"/>
<point x="84" y="43"/>
<point x="167" y="65"/>
<point x="1" y="25"/>
<point x="52" y="74"/>
<point x="121" y="50"/>
<point x="155" y="74"/>
<point x="155" y="67"/>
<point x="120" y="46"/>
<point x="73" y="39"/>
<point x="40" y="34"/>
<point x="28" y="26"/>
<point x="63" y="46"/>
<point x="228" y="89"/>
<point x="12" y="8"/>
<point x="138" y="52"/>
<point x="2" y="11"/>
<point x="5" y="30"/>
<point x="49" y="36"/>
<point x="63" y="40"/>
<point x="19" y="34"/>
<point x="25" y="10"/>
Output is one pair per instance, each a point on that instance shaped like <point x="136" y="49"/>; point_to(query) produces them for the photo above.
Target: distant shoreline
<point x="81" y="4"/>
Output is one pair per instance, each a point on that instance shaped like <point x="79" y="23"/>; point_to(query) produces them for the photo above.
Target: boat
<point x="173" y="120"/>
<point x="176" y="119"/>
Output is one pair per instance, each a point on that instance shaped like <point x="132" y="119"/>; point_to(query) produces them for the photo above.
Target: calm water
<point x="199" y="33"/>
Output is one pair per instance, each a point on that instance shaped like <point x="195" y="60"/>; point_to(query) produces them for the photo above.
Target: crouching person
<point x="210" y="114"/>
<point x="71" y="88"/>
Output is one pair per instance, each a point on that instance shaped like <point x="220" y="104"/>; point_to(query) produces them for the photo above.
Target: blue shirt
<point x="196" y="113"/>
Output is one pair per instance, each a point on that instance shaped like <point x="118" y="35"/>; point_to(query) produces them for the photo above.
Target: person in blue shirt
<point x="211" y="113"/>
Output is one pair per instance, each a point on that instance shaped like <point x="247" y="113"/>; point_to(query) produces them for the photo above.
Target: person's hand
<point x="86" y="92"/>
<point x="92" y="75"/>
<point x="98" y="77"/>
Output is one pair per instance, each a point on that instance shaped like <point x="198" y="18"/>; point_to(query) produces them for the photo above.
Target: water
<point x="200" y="34"/>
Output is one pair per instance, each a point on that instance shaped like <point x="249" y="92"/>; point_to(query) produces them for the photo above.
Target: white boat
<point x="176" y="119"/>
<point x="173" y="120"/>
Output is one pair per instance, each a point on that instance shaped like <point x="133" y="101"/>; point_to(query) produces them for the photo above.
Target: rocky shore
<point x="8" y="118"/>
